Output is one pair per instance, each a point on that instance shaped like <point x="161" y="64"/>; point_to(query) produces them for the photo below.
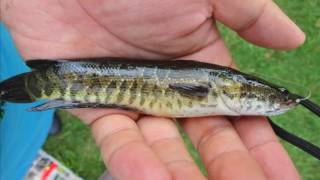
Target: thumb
<point x="260" y="22"/>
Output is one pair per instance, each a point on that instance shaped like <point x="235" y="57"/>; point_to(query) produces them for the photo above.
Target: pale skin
<point x="144" y="147"/>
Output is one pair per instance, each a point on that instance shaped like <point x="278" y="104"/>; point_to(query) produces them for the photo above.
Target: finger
<point x="124" y="150"/>
<point x="89" y="115"/>
<point x="258" y="136"/>
<point x="216" y="51"/>
<point x="259" y="21"/>
<point x="164" y="138"/>
<point x="221" y="149"/>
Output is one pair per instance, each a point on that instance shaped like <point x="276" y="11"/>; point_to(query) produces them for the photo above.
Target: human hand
<point x="150" y="147"/>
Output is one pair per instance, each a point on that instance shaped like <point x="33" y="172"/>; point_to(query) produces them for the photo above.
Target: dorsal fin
<point x="42" y="63"/>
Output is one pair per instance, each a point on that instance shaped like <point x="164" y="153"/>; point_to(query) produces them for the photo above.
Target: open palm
<point x="147" y="147"/>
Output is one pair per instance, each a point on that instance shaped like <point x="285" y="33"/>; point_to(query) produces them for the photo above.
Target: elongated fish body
<point x="167" y="88"/>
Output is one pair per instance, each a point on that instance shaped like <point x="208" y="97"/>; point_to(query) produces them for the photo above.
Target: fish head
<point x="247" y="95"/>
<point x="262" y="99"/>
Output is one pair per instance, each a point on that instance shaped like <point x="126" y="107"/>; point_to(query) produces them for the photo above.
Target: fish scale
<point x="156" y="87"/>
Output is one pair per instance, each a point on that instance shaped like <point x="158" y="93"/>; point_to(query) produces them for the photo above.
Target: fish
<point x="167" y="88"/>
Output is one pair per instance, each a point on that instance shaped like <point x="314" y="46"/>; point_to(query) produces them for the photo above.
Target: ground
<point x="296" y="69"/>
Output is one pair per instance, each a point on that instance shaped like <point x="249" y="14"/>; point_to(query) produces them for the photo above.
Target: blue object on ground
<point x="22" y="133"/>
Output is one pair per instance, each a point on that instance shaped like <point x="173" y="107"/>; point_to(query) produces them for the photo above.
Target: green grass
<point x="75" y="148"/>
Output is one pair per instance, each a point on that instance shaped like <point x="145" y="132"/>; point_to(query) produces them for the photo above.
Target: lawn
<point x="297" y="69"/>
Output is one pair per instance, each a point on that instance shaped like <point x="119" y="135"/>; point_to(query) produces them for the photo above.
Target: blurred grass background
<point x="76" y="149"/>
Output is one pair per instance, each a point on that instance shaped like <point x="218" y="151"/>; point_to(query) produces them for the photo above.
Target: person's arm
<point x="150" y="147"/>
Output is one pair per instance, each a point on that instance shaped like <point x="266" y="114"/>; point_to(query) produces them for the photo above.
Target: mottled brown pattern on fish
<point x="169" y="104"/>
<point x="109" y="88"/>
<point x="116" y="92"/>
<point x="190" y="103"/>
<point x="179" y="103"/>
<point x="48" y="89"/>
<point x="246" y="92"/>
<point x="41" y="80"/>
<point x="71" y="86"/>
<point x="232" y="90"/>
<point x="59" y="87"/>
<point x="153" y="95"/>
<point x="144" y="93"/>
<point x="52" y="78"/>
<point x="158" y="91"/>
<point x="86" y="84"/>
<point x="112" y="90"/>
<point x="166" y="88"/>
<point x="99" y="88"/>
<point x="133" y="92"/>
<point x="34" y="89"/>
<point x="122" y="90"/>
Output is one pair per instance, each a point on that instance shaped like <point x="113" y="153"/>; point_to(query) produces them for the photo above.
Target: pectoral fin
<point x="191" y="90"/>
<point x="59" y="104"/>
<point x="54" y="104"/>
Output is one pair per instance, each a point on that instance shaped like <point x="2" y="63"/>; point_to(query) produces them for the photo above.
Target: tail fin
<point x="14" y="90"/>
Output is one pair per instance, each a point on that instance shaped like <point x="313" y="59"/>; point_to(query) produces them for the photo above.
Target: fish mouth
<point x="284" y="107"/>
<point x="289" y="104"/>
<point x="279" y="111"/>
<point x="290" y="101"/>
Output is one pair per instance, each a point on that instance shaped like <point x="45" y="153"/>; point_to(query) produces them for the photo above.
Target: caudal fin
<point x="14" y="90"/>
